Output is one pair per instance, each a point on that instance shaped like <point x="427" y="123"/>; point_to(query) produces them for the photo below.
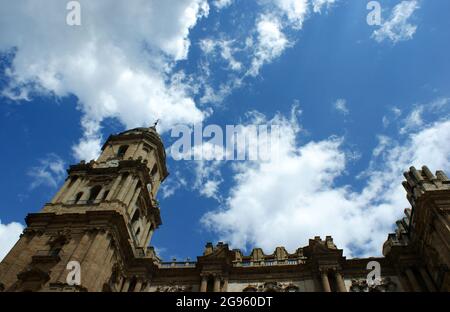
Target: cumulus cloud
<point x="9" y="235"/>
<point x="119" y="62"/>
<point x="50" y="172"/>
<point x="295" y="196"/>
<point x="397" y="28"/>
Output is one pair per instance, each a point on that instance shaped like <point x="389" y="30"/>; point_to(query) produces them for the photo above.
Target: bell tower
<point x="103" y="217"/>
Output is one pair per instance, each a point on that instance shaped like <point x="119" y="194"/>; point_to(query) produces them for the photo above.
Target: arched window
<point x="94" y="193"/>
<point x="122" y="150"/>
<point x="78" y="197"/>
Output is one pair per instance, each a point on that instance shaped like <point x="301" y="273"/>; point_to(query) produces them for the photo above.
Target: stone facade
<point x="104" y="216"/>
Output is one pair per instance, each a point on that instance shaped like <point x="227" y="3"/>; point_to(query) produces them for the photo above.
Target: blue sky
<point x="358" y="105"/>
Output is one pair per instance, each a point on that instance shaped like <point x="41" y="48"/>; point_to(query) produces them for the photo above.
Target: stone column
<point x="325" y="281"/>
<point x="100" y="195"/>
<point x="340" y="282"/>
<point x="86" y="193"/>
<point x="412" y="280"/>
<point x="82" y="247"/>
<point x="216" y="283"/>
<point x="138" y="286"/>
<point x="114" y="188"/>
<point x="131" y="192"/>
<point x="204" y="284"/>
<point x="126" y="285"/>
<point x="225" y="285"/>
<point x="93" y="269"/>
<point x="147" y="287"/>
<point x="61" y="191"/>
<point x="71" y="191"/>
<point x="118" y="283"/>
<point x="133" y="201"/>
<point x="124" y="188"/>
<point x="427" y="279"/>
<point x="147" y="231"/>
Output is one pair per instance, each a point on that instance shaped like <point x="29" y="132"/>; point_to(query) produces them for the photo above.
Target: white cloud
<point x="294" y="197"/>
<point x="270" y="44"/>
<point x="397" y="28"/>
<point x="220" y="4"/>
<point x="395" y="113"/>
<point x="341" y="106"/>
<point x="383" y="143"/>
<point x="295" y="10"/>
<point x="319" y="4"/>
<point x="207" y="170"/>
<point x="50" y="172"/>
<point x="226" y="51"/>
<point x="119" y="62"/>
<point x="248" y="51"/>
<point x="9" y="235"/>
<point x="169" y="187"/>
<point x="416" y="119"/>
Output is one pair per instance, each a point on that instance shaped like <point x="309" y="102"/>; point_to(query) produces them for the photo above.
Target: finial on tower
<point x="156" y="123"/>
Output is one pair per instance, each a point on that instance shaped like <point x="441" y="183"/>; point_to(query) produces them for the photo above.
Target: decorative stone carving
<point x="174" y="288"/>
<point x="271" y="287"/>
<point x="386" y="285"/>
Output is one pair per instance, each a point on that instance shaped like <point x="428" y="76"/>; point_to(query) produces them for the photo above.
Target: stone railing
<point x="171" y="265"/>
<point x="267" y="263"/>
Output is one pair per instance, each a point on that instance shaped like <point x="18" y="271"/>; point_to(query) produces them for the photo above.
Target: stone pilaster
<point x="340" y="282"/>
<point x="216" y="283"/>
<point x="412" y="280"/>
<point x="113" y="189"/>
<point x="426" y="277"/>
<point x="204" y="284"/>
<point x="325" y="282"/>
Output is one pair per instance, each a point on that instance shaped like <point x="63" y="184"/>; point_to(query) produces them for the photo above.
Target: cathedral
<point x="94" y="235"/>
